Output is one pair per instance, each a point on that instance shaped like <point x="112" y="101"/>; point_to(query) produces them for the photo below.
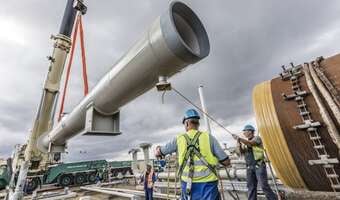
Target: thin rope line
<point x="200" y="109"/>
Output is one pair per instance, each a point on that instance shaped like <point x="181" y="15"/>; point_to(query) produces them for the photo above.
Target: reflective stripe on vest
<point x="201" y="171"/>
<point x="198" y="174"/>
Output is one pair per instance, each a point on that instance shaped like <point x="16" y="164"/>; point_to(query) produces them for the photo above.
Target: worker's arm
<point x="253" y="142"/>
<point x="239" y="149"/>
<point x="154" y="178"/>
<point x="168" y="148"/>
<point x="247" y="142"/>
<point x="218" y="152"/>
<point x="141" y="179"/>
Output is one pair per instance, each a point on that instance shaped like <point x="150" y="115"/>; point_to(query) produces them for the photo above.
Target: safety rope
<point x="232" y="185"/>
<point x="221" y="185"/>
<point x="176" y="168"/>
<point x="200" y="109"/>
<point x="273" y="177"/>
<point x="78" y="25"/>
<point x="167" y="160"/>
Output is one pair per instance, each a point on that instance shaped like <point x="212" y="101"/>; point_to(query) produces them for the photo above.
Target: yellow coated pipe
<point x="273" y="138"/>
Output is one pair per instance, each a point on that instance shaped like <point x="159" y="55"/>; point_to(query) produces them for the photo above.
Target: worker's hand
<point x="226" y="163"/>
<point x="236" y="137"/>
<point x="158" y="153"/>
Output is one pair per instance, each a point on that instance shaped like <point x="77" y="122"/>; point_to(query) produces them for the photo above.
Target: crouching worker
<point x="198" y="153"/>
<point x="148" y="178"/>
<point x="253" y="151"/>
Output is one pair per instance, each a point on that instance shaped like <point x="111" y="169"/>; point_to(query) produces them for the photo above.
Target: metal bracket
<point x="80" y="6"/>
<point x="56" y="148"/>
<point x="163" y="84"/>
<point x="307" y="125"/>
<point x="294" y="71"/>
<point x="101" y="124"/>
<point x="295" y="95"/>
<point x="323" y="161"/>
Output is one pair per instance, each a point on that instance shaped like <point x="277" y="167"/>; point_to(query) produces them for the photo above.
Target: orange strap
<point x="83" y="56"/>
<point x="79" y="25"/>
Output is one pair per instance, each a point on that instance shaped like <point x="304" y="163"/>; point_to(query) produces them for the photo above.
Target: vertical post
<point x="134" y="152"/>
<point x="204" y="108"/>
<point x="146" y="147"/>
<point x="19" y="189"/>
<point x="272" y="175"/>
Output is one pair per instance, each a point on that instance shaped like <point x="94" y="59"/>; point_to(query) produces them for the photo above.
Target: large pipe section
<point x="175" y="40"/>
<point x="299" y="125"/>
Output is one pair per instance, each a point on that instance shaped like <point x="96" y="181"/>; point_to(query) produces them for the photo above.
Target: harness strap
<point x="190" y="145"/>
<point x="200" y="156"/>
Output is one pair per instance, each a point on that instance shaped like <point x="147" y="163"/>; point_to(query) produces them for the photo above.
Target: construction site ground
<point x="79" y="193"/>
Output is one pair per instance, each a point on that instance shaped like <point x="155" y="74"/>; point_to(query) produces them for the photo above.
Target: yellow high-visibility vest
<point x="258" y="153"/>
<point x="201" y="172"/>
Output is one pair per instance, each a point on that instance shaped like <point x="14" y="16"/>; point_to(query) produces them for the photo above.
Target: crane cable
<point x="78" y="25"/>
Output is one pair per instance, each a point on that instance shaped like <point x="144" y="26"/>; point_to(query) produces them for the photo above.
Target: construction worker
<point x="198" y="153"/>
<point x="148" y="179"/>
<point x="253" y="151"/>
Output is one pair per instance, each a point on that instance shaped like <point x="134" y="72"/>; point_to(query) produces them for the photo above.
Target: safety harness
<point x="193" y="150"/>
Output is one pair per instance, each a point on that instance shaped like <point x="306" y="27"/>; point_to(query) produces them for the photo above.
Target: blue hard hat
<point x="248" y="128"/>
<point x="191" y="114"/>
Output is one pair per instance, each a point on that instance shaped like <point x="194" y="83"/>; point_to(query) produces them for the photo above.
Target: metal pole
<point x="273" y="177"/>
<point x="134" y="164"/>
<point x="146" y="151"/>
<point x="207" y="125"/>
<point x="204" y="108"/>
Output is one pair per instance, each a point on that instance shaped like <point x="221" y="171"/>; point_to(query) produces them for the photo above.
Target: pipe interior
<point x="190" y="29"/>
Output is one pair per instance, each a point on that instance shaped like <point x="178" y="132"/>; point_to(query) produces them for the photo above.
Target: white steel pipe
<point x="175" y="40"/>
<point x="115" y="193"/>
<point x="204" y="108"/>
<point x="134" y="164"/>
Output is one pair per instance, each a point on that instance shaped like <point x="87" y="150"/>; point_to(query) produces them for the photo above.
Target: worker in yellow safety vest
<point x="198" y="154"/>
<point x="253" y="152"/>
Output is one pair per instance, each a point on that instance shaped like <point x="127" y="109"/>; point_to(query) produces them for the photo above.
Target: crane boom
<point x="45" y="115"/>
<point x="175" y="40"/>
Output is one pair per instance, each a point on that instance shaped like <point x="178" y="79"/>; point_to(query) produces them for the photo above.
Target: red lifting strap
<point x="79" y="25"/>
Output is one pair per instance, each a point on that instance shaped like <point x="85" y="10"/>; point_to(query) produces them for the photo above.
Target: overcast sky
<point x="250" y="40"/>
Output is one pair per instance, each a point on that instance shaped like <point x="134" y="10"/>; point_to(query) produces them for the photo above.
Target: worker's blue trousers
<point x="148" y="193"/>
<point x="201" y="191"/>
<point x="257" y="174"/>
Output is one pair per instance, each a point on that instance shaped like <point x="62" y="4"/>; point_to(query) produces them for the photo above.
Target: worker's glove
<point x="236" y="137"/>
